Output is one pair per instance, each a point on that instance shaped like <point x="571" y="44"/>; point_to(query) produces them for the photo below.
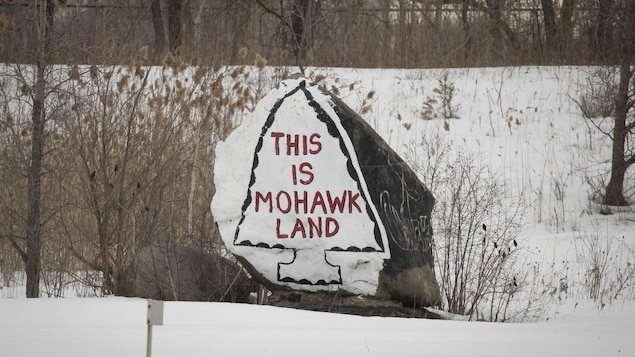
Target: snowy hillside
<point x="573" y="269"/>
<point x="524" y="130"/>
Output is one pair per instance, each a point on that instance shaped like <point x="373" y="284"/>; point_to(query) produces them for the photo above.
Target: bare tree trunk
<point x="549" y="15"/>
<point x="615" y="189"/>
<point x="197" y="25"/>
<point x="402" y="52"/>
<point x="387" y="50"/>
<point x="33" y="231"/>
<point x="190" y="199"/>
<point x="565" y="27"/>
<point x="159" y="30"/>
<point x="467" y="33"/>
<point x="496" y="30"/>
<point x="175" y="26"/>
<point x="302" y="23"/>
<point x="604" y="33"/>
<point x="620" y="160"/>
<point x="33" y="262"/>
<point x="436" y="33"/>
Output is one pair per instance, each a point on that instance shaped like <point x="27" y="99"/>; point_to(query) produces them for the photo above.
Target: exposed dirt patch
<point x="352" y="305"/>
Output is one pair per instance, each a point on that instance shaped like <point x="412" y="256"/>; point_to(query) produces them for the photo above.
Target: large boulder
<point x="187" y="274"/>
<point x="310" y="198"/>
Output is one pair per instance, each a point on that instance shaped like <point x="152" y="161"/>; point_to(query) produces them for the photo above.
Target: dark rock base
<point x="346" y="304"/>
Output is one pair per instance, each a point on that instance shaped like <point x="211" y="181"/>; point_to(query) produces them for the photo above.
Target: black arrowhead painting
<point x="306" y="192"/>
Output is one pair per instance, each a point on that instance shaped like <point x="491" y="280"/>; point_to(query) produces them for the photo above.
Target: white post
<point x="155" y="317"/>
<point x="149" y="344"/>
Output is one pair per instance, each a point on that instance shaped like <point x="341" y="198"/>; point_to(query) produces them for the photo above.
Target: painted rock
<point x="310" y="198"/>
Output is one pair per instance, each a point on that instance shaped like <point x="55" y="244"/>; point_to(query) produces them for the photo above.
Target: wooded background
<point x="103" y="155"/>
<point x="349" y="33"/>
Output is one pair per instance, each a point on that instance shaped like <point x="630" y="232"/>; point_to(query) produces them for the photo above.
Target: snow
<point x="524" y="124"/>
<point x="117" y="327"/>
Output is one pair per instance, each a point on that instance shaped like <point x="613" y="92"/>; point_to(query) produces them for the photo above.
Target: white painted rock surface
<point x="294" y="203"/>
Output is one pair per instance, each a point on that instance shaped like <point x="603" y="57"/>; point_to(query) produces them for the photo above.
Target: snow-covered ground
<point x="116" y="327"/>
<point x="524" y="124"/>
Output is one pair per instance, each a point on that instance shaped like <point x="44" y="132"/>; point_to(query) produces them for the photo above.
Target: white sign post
<point x="155" y="317"/>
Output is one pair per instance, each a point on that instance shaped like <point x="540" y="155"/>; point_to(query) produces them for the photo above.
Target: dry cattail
<point x="169" y="61"/>
<point x="237" y="72"/>
<point x="93" y="72"/>
<point x="139" y="72"/>
<point x="143" y="53"/>
<point x="6" y="23"/>
<point x="242" y="53"/>
<point x="123" y="82"/>
<point x="261" y="62"/>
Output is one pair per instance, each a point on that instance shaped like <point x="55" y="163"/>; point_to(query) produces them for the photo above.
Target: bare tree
<point x="302" y="22"/>
<point x="175" y="24"/>
<point x="159" y="30"/>
<point x="565" y="27"/>
<point x="494" y="10"/>
<point x="549" y="15"/>
<point x="604" y="44"/>
<point x="174" y="10"/>
<point x="46" y="10"/>
<point x="610" y="93"/>
<point x="467" y="33"/>
<point x="403" y="33"/>
<point x="300" y="18"/>
<point x="624" y="125"/>
<point x="29" y="145"/>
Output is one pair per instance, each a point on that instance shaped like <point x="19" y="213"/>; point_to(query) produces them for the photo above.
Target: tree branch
<point x="17" y="247"/>
<point x="268" y="10"/>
